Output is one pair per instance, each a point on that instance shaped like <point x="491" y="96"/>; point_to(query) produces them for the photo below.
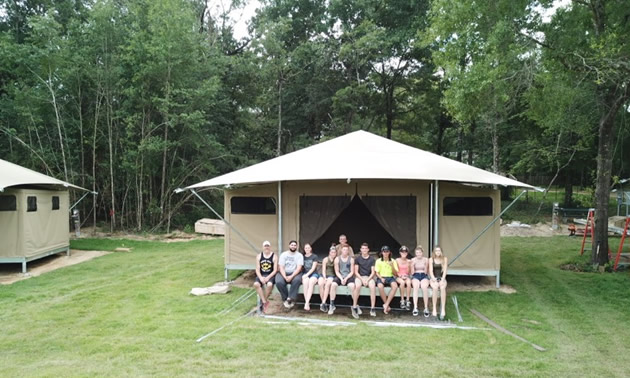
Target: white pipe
<point x="279" y="216"/>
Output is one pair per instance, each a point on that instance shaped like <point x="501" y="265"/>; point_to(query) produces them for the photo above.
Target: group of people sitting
<point x="342" y="268"/>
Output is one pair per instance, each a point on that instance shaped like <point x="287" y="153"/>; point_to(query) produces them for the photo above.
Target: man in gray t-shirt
<point x="289" y="273"/>
<point x="364" y="273"/>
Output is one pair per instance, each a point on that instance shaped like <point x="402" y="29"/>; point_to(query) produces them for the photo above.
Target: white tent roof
<point x="359" y="155"/>
<point x="13" y="175"/>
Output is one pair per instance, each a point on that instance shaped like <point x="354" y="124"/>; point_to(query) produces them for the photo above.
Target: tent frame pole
<point x="436" y="214"/>
<point x="279" y="216"/>
<point x="486" y="228"/>
<point x="81" y="199"/>
<point x="227" y="271"/>
<point x="430" y="217"/>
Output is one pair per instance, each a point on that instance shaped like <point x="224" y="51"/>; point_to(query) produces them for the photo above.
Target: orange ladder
<point x="590" y="227"/>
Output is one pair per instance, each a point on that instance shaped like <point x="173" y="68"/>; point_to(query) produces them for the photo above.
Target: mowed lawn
<point x="130" y="314"/>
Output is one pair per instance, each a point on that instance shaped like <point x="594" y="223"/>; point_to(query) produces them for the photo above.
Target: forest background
<point x="133" y="99"/>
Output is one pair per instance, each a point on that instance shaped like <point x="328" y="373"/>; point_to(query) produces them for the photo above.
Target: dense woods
<point x="133" y="99"/>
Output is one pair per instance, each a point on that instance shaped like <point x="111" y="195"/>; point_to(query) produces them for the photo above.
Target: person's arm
<point x="395" y="268"/>
<point x="324" y="263"/>
<point x="444" y="267"/>
<point x="355" y="269"/>
<point x="431" y="269"/>
<point x="351" y="272"/>
<point x="336" y="266"/>
<point x="377" y="271"/>
<point x="258" y="274"/>
<point x="313" y="267"/>
<point x="275" y="268"/>
<point x="372" y="274"/>
<point x="282" y="268"/>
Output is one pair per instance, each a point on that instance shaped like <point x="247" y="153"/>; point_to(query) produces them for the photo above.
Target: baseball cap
<point x="266" y="243"/>
<point x="385" y="248"/>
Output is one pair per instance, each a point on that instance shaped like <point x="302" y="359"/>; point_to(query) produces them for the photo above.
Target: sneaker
<point x="286" y="304"/>
<point x="265" y="306"/>
<point x="408" y="304"/>
<point x="442" y="316"/>
<point x="355" y="314"/>
<point x="415" y="312"/>
<point x="323" y="307"/>
<point x="291" y="303"/>
<point x="426" y="312"/>
<point x="372" y="312"/>
<point x="402" y="304"/>
<point x="359" y="310"/>
<point x="331" y="309"/>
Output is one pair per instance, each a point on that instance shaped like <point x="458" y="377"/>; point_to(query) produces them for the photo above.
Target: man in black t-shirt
<point x="364" y="273"/>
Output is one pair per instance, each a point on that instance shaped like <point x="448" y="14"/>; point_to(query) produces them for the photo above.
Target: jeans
<point x="292" y="292"/>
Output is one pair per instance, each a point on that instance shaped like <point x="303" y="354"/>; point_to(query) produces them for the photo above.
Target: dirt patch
<point x="10" y="273"/>
<point x="173" y="237"/>
<point x="540" y="229"/>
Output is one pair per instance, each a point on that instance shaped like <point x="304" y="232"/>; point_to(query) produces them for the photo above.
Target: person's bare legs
<point x="307" y="295"/>
<point x="259" y="290"/>
<point x="381" y="291"/>
<point x="392" y="294"/>
<point x="322" y="289"/>
<point x="333" y="291"/>
<point x="357" y="290"/>
<point x="416" y="286"/>
<point x="408" y="284"/>
<point x="424" y="284"/>
<point x="434" y="288"/>
<point x="401" y="288"/>
<point x="443" y="298"/>
<point x="372" y="287"/>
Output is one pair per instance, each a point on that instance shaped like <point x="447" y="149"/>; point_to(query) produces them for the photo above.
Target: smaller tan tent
<point x="34" y="215"/>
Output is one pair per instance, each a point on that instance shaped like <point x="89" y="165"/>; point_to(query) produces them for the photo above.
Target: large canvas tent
<point x="373" y="190"/>
<point x="34" y="215"/>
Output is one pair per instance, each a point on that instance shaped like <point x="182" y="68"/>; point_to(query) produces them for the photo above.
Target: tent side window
<point x="467" y="206"/>
<point x="8" y="203"/>
<point x="31" y="203"/>
<point x="55" y="203"/>
<point x="253" y="205"/>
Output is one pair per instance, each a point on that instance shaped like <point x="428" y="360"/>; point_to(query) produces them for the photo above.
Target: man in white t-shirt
<point x="289" y="273"/>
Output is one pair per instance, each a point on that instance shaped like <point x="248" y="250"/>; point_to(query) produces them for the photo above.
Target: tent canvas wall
<point x="33" y="223"/>
<point x="298" y="195"/>
<point x="306" y="225"/>
<point x="34" y="215"/>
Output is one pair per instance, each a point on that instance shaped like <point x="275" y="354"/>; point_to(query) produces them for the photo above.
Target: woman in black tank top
<point x="438" y="265"/>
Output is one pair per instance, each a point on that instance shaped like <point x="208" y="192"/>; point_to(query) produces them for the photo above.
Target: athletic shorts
<point x="388" y="281"/>
<point x="420" y="276"/>
<point x="316" y="275"/>
<point x="272" y="280"/>
<point x="348" y="281"/>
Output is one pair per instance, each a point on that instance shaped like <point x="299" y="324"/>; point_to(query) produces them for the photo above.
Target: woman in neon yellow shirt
<point x="386" y="270"/>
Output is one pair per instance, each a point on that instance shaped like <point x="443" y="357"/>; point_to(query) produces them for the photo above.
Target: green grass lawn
<point x="130" y="314"/>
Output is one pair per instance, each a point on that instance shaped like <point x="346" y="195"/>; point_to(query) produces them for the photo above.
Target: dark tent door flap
<point x="317" y="213"/>
<point x="397" y="214"/>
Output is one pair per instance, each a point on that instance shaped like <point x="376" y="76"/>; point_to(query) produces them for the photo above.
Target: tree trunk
<point x="613" y="102"/>
<point x="278" y="151"/>
<point x="568" y="190"/>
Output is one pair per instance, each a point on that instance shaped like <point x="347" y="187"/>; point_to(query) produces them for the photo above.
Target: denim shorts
<point x="420" y="276"/>
<point x="316" y="275"/>
<point x="388" y="281"/>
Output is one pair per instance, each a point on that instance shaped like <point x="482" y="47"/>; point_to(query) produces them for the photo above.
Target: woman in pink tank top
<point x="404" y="278"/>
<point x="420" y="279"/>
